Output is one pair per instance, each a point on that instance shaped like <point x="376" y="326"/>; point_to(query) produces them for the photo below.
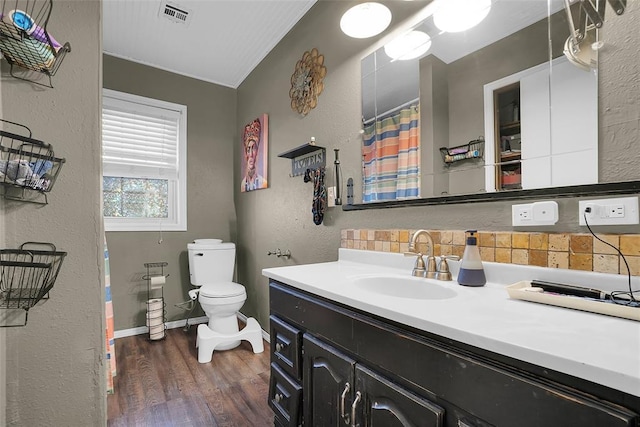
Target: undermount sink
<point x="403" y="287"/>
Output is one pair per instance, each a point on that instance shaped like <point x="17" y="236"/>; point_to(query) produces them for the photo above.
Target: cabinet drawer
<point x="285" y="347"/>
<point x="285" y="397"/>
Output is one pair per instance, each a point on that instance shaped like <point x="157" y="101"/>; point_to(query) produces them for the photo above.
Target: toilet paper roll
<point x="152" y="314"/>
<point x="157" y="336"/>
<point x="157" y="280"/>
<point x="155" y="321"/>
<point x="154" y="304"/>
<point x="156" y="329"/>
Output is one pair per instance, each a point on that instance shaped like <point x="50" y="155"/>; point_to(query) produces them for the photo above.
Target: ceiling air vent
<point x="174" y="12"/>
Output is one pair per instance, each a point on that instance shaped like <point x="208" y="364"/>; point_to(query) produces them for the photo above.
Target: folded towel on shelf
<point x="40" y="167"/>
<point x="21" y="172"/>
<point x="40" y="34"/>
<point x="16" y="169"/>
<point x="25" y="45"/>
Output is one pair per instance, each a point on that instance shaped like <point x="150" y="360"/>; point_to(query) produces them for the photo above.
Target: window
<point x="144" y="147"/>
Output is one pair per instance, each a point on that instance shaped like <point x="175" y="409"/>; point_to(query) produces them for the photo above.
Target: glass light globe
<point x="365" y="20"/>
<point x="454" y="16"/>
<point x="411" y="45"/>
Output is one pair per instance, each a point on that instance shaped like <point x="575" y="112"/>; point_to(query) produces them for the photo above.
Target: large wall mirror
<point x="511" y="108"/>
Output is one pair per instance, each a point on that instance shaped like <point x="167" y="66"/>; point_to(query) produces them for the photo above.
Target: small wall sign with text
<point x="312" y="161"/>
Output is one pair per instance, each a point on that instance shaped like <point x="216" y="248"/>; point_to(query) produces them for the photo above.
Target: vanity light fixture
<point x="581" y="48"/>
<point x="583" y="54"/>
<point x="454" y="16"/>
<point x="365" y="20"/>
<point x="411" y="45"/>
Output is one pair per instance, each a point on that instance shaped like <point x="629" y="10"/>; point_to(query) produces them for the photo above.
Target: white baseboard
<point x="169" y="325"/>
<point x="141" y="330"/>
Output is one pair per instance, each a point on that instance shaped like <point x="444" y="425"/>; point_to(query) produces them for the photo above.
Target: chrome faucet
<point x="441" y="272"/>
<point x="419" y="269"/>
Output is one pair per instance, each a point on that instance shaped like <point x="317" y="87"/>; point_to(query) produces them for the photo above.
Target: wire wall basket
<point x="27" y="275"/>
<point x="28" y="167"/>
<point x="473" y="150"/>
<point x="25" y="42"/>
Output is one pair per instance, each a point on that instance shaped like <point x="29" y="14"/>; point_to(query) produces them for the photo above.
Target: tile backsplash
<point x="556" y="250"/>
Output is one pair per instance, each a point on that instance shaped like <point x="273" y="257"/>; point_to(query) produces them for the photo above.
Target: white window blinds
<point x="144" y="163"/>
<point x="139" y="140"/>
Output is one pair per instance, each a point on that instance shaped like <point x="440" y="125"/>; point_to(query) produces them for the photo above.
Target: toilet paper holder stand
<point x="156" y="279"/>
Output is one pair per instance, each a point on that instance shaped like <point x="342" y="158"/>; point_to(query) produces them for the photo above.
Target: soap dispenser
<point x="471" y="271"/>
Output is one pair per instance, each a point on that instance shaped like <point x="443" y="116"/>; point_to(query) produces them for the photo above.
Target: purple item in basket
<point x="39" y="34"/>
<point x="23" y="21"/>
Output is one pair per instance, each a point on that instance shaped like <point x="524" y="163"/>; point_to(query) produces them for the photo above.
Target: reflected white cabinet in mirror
<point x="555" y="119"/>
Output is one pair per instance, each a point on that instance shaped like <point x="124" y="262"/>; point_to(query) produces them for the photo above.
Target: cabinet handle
<point x="280" y="347"/>
<point x="279" y="397"/>
<point x="353" y="408"/>
<point x="343" y="396"/>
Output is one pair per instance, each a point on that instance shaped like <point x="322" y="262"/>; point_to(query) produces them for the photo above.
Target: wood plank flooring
<point x="161" y="383"/>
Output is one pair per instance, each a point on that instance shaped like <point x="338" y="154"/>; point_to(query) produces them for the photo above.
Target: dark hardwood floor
<point x="161" y="383"/>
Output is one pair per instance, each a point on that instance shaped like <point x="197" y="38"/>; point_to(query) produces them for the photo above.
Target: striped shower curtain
<point x="391" y="157"/>
<point x="111" y="348"/>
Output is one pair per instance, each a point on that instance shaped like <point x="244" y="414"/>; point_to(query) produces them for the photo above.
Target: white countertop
<point x="598" y="348"/>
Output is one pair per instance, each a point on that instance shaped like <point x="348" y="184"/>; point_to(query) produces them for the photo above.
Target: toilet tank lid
<point x="208" y="241"/>
<point x="203" y="246"/>
<point x="222" y="289"/>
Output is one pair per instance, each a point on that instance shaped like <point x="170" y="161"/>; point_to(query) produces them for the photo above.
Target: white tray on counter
<point x="518" y="291"/>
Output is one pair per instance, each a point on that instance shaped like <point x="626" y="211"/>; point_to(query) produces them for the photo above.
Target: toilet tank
<point x="211" y="262"/>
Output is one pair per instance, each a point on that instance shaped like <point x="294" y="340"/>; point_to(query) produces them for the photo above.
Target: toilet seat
<point x="222" y="290"/>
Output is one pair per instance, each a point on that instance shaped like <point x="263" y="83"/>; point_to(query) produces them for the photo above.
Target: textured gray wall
<point x="619" y="93"/>
<point x="3" y="334"/>
<point x="211" y="116"/>
<point x="55" y="370"/>
<point x="280" y="216"/>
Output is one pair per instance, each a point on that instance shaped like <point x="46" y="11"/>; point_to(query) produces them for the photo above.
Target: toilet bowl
<point x="221" y="303"/>
<point x="211" y="264"/>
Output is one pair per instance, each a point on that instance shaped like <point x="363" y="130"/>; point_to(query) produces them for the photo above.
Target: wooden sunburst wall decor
<point x="307" y="82"/>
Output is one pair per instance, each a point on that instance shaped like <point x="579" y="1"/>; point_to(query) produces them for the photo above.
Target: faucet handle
<point x="443" y="272"/>
<point x="419" y="267"/>
<point x="431" y="272"/>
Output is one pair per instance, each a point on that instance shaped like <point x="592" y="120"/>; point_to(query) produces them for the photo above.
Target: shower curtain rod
<point x="391" y="111"/>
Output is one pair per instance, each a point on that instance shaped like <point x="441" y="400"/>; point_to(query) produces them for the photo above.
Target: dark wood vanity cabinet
<point x="339" y="391"/>
<point x="397" y="376"/>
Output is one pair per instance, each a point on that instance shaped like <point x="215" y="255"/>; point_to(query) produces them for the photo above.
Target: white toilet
<point x="211" y="264"/>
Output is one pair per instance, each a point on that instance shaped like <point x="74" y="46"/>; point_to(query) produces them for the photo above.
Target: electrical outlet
<point x="523" y="212"/>
<point x="618" y="211"/>
<point x="615" y="211"/>
<point x="538" y="213"/>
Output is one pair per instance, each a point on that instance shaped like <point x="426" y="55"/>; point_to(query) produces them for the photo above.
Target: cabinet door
<point x="557" y="139"/>
<point x="385" y="404"/>
<point x="327" y="374"/>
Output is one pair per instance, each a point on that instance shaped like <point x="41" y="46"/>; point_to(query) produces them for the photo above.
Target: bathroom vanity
<point x="346" y="350"/>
